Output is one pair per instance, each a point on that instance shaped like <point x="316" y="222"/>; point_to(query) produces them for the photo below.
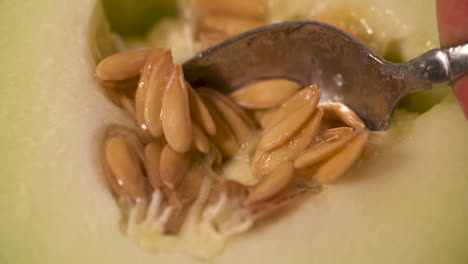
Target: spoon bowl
<point x="310" y="52"/>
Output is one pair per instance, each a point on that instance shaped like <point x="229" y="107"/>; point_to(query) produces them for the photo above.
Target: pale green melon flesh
<point x="405" y="203"/>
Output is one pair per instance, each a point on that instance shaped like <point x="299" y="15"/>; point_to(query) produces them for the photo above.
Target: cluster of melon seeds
<point x="167" y="172"/>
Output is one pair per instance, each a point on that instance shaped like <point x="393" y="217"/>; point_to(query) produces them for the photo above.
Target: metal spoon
<point x="316" y="53"/>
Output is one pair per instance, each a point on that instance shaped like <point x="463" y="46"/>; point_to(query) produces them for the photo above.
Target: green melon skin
<point x="406" y="202"/>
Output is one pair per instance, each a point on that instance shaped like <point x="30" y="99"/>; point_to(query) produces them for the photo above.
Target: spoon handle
<point x="458" y="61"/>
<point x="434" y="68"/>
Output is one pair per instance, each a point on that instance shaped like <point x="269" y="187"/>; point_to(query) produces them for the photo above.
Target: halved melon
<point x="405" y="202"/>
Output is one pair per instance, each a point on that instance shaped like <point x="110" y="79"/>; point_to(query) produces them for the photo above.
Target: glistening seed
<point x="264" y="94"/>
<point x="200" y="113"/>
<point x="235" y="122"/>
<point x="176" y="121"/>
<point x="272" y="183"/>
<point x="291" y="149"/>
<point x="153" y="161"/>
<point x="173" y="166"/>
<point x="157" y="84"/>
<point x="343" y="113"/>
<point x="140" y="94"/>
<point x="293" y="119"/>
<point x="122" y="66"/>
<point x="335" y="133"/>
<point x="311" y="93"/>
<point x="336" y="166"/>
<point x="200" y="140"/>
<point x="125" y="167"/>
<point x="321" y="151"/>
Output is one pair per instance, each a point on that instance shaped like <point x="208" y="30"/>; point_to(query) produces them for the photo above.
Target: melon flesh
<point x="406" y="202"/>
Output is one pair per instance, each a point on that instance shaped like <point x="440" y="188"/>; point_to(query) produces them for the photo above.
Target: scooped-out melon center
<point x="199" y="167"/>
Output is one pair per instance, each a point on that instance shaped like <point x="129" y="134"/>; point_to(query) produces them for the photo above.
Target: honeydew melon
<point x="405" y="202"/>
